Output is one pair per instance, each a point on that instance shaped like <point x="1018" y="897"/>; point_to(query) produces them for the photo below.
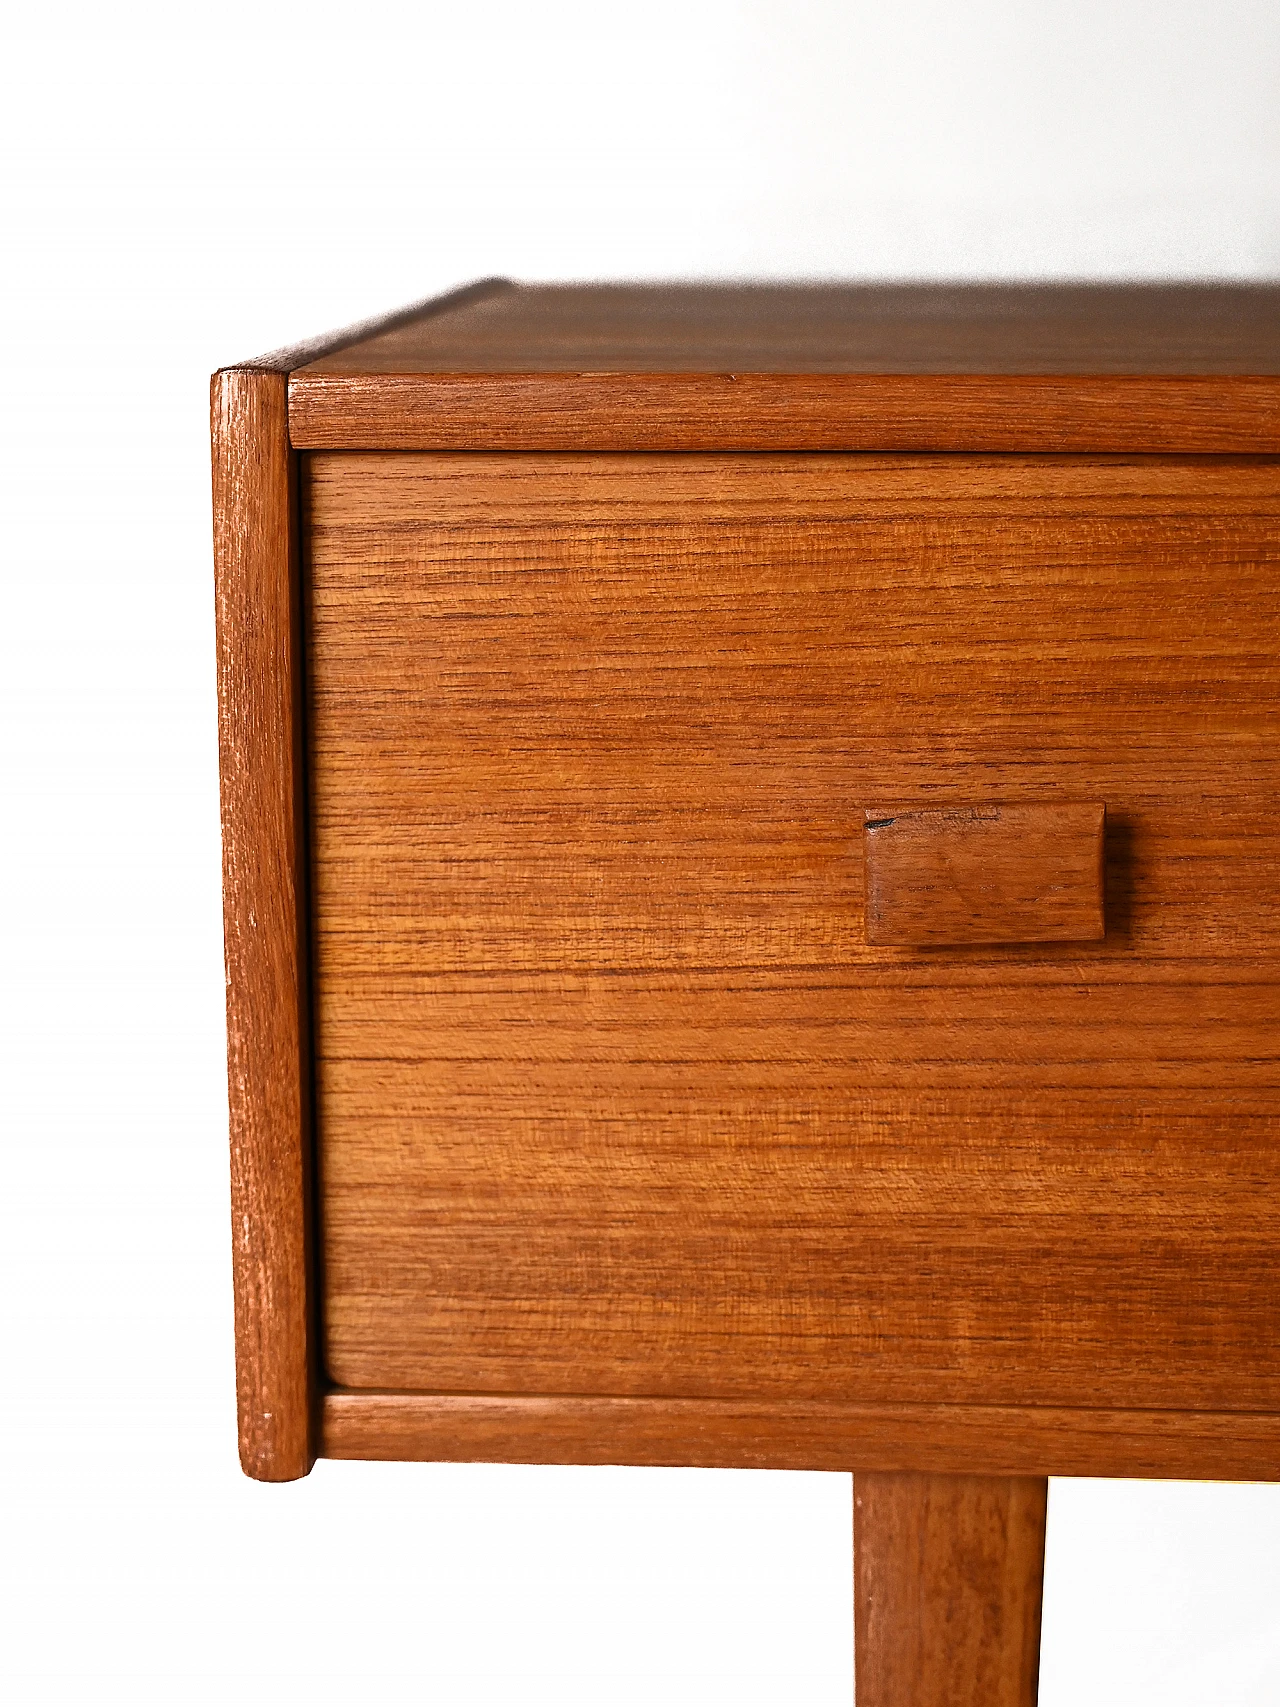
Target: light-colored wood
<point x="614" y="1097"/>
<point x="948" y="1575"/>
<point x="1228" y="415"/>
<point x="1018" y="1440"/>
<point x="945" y="875"/>
<point x="263" y="833"/>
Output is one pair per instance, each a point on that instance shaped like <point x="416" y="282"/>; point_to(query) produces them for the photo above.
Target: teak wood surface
<point x="614" y="1097"/>
<point x="629" y="1147"/>
<point x="819" y="367"/>
<point x="500" y="326"/>
<point x="256" y="551"/>
<point x="744" y="1434"/>
<point x="948" y="1577"/>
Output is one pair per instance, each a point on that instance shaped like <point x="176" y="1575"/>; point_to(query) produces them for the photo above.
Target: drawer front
<point x="615" y="1097"/>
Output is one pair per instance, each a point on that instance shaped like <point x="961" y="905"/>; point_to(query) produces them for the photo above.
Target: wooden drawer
<point x="613" y="1096"/>
<point x="575" y="1115"/>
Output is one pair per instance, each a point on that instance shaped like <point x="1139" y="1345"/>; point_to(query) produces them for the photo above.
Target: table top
<point x="498" y="326"/>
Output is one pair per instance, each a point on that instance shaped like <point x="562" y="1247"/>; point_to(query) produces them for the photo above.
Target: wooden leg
<point x="947" y="1574"/>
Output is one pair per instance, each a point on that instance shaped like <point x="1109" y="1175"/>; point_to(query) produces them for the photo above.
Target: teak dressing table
<point x="752" y="904"/>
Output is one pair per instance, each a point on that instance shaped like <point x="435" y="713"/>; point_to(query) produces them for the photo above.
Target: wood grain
<point x="832" y="328"/>
<point x="948" y="1577"/>
<point x="615" y="1098"/>
<point x="1016" y="1440"/>
<point x="459" y="488"/>
<point x="257" y="567"/>
<point x="1089" y="369"/>
<point x="1089" y="414"/>
<point x="260" y="746"/>
<point x="986" y="872"/>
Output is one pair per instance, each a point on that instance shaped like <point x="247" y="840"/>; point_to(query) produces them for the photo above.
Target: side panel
<point x="260" y="745"/>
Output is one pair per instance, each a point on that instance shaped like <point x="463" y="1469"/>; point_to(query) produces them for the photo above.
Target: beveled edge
<point x="292" y="356"/>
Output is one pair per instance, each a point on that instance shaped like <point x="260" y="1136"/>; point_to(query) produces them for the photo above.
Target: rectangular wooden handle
<point x="984" y="872"/>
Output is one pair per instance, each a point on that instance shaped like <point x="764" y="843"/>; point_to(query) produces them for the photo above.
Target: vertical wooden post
<point x="947" y="1577"/>
<point x="257" y="567"/>
<point x="264" y="882"/>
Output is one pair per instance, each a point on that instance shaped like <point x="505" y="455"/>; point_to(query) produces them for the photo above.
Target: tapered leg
<point x="947" y="1574"/>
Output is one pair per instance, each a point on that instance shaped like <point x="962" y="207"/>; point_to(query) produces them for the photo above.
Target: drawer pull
<point x="984" y="872"/>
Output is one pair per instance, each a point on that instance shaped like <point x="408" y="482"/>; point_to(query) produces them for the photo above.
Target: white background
<point x="183" y="187"/>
